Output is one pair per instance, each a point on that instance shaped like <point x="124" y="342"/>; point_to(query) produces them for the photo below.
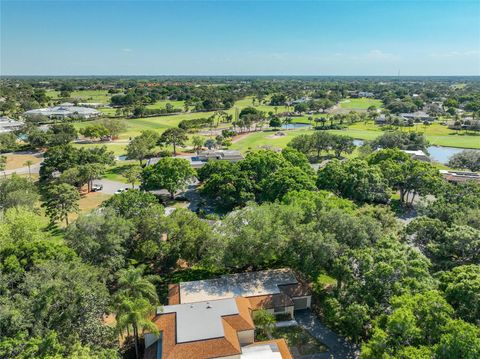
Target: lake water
<point x="293" y="126"/>
<point x="443" y="154"/>
<point x="437" y="153"/>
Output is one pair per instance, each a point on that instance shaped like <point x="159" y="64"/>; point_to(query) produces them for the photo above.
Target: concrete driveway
<point x="339" y="347"/>
<point x="110" y="187"/>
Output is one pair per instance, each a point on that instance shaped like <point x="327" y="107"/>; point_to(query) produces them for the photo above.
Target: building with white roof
<point x="64" y="110"/>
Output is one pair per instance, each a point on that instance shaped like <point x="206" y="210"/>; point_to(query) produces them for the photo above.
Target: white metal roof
<point x="261" y="351"/>
<point x="202" y="320"/>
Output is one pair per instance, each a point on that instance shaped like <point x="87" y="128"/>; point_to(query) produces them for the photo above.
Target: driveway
<point x="339" y="348"/>
<point x="109" y="186"/>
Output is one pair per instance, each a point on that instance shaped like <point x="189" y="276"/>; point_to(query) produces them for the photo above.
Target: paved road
<point x="339" y="348"/>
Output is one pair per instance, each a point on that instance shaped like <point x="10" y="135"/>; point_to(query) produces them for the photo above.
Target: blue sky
<point x="240" y="37"/>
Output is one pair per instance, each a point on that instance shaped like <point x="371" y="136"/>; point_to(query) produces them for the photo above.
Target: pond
<point x="442" y="154"/>
<point x="293" y="126"/>
<point x="437" y="153"/>
<point x="122" y="158"/>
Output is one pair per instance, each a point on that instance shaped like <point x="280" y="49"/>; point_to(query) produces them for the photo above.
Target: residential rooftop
<point x="237" y="285"/>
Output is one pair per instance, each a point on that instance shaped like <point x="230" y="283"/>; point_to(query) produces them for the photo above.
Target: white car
<point x="118" y="191"/>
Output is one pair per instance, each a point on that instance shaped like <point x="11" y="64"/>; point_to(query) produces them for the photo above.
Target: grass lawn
<point x="255" y="140"/>
<point x="87" y="203"/>
<point x="117" y="148"/>
<point x="15" y="161"/>
<point x="96" y="96"/>
<point x="114" y="173"/>
<point x="298" y="338"/>
<point x="161" y="104"/>
<point x="360" y="103"/>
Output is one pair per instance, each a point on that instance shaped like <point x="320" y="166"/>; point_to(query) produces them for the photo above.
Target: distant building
<point x="418" y="115"/>
<point x="460" y="176"/>
<point x="9" y="125"/>
<point x="225" y="155"/>
<point x="366" y="94"/>
<point x="418" y="155"/>
<point x="64" y="110"/>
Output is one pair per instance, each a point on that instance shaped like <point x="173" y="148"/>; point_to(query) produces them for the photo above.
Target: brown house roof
<point x="270" y="301"/>
<point x="173" y="294"/>
<point x="295" y="290"/>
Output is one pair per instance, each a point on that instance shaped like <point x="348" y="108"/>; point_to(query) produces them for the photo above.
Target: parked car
<point x="97" y="187"/>
<point x="118" y="191"/>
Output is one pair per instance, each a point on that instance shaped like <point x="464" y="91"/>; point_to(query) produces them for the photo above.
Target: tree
<point x="130" y="204"/>
<point x="17" y="192"/>
<point x="354" y="179"/>
<point x="132" y="283"/>
<point x="275" y="122"/>
<point x="94" y="131"/>
<point x="29" y="164"/>
<point x="401" y="140"/>
<point x="132" y="174"/>
<point x="68" y="297"/>
<point x="410" y="177"/>
<point x="8" y="142"/>
<point x="175" y="137"/>
<point x="467" y="159"/>
<point x="114" y="126"/>
<point x="99" y="238"/>
<point x="3" y="164"/>
<point x="136" y="313"/>
<point x="265" y="321"/>
<point x="461" y="286"/>
<point x="342" y="144"/>
<point x="197" y="142"/>
<point x="61" y="134"/>
<point x="142" y="146"/>
<point x="285" y="180"/>
<point x="171" y="174"/>
<point x="136" y="299"/>
<point x="60" y="201"/>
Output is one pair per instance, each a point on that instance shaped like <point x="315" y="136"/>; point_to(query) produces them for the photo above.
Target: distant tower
<point x="398" y="76"/>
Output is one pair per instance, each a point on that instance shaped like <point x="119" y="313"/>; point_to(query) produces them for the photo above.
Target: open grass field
<point x="163" y="103"/>
<point x="360" y="103"/>
<point x="87" y="203"/>
<point x="18" y="160"/>
<point x="100" y="96"/>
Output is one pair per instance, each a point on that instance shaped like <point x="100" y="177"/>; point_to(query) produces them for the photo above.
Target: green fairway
<point x="360" y="103"/>
<point x="161" y="105"/>
<point x="256" y="140"/>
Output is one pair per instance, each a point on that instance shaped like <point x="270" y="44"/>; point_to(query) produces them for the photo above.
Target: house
<point x="221" y="328"/>
<point x="225" y="155"/>
<point x="277" y="290"/>
<point x="418" y="116"/>
<point x="418" y="155"/>
<point x="64" y="110"/>
<point x="460" y="176"/>
<point x="9" y="125"/>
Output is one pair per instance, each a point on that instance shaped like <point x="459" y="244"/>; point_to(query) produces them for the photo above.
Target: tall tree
<point x="60" y="201"/>
<point x="175" y="137"/>
<point x="169" y="173"/>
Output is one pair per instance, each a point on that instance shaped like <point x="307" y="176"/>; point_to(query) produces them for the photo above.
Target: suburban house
<point x="418" y="155"/>
<point x="213" y="318"/>
<point x="224" y="155"/>
<point x="419" y="116"/>
<point x="8" y="125"/>
<point x="276" y="290"/>
<point x="460" y="176"/>
<point x="64" y="110"/>
<point x="220" y="328"/>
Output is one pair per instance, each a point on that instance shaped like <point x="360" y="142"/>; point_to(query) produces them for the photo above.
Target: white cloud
<point x="127" y="50"/>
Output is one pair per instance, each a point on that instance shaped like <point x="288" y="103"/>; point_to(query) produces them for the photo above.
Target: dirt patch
<point x="241" y="137"/>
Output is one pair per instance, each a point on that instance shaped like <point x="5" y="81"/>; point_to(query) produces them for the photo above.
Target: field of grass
<point x="100" y="96"/>
<point x="360" y="103"/>
<point x="18" y="160"/>
<point x="163" y="103"/>
<point x="256" y="140"/>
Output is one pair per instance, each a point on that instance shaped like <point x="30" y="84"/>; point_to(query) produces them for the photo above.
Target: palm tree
<point x="265" y="321"/>
<point x="28" y="164"/>
<point x="135" y="312"/>
<point x="3" y="164"/>
<point x="132" y="283"/>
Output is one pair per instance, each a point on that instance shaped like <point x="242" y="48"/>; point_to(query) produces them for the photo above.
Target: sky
<point x="247" y="37"/>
